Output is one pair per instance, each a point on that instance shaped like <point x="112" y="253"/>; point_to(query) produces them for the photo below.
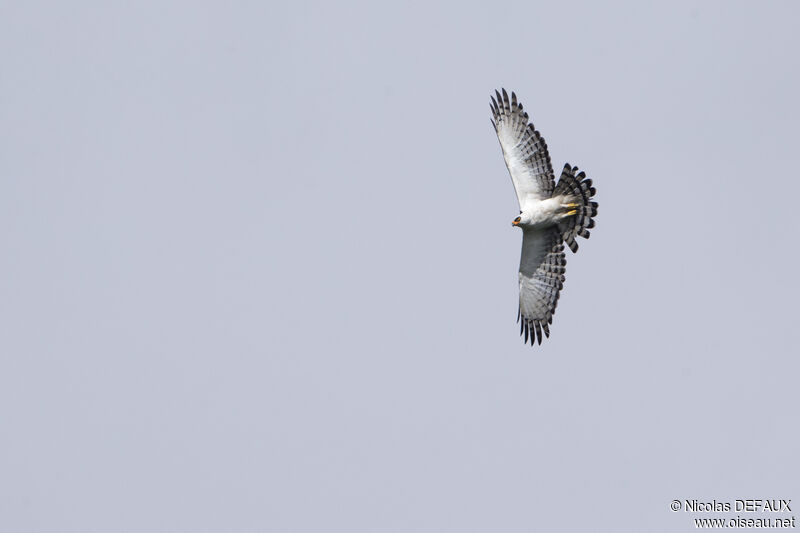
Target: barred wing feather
<point x="541" y="278"/>
<point x="524" y="150"/>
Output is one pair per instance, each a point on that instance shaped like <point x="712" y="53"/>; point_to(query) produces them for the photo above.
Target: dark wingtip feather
<point x="573" y="245"/>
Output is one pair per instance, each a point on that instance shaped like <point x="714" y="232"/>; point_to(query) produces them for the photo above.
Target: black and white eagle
<point x="550" y="214"/>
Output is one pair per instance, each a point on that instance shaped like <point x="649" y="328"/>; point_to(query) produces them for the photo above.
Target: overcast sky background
<point x="258" y="272"/>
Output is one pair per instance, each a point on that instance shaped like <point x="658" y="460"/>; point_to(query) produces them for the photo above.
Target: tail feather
<point x="580" y="190"/>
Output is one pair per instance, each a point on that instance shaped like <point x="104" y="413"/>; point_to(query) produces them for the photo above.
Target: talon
<point x="570" y="213"/>
<point x="572" y="205"/>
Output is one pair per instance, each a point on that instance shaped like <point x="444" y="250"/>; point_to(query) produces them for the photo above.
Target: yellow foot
<point x="572" y="205"/>
<point x="570" y="213"/>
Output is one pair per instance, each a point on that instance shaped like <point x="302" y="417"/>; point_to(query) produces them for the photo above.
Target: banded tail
<point x="580" y="190"/>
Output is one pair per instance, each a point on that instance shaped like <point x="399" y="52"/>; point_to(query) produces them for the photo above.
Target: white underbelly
<point x="544" y="213"/>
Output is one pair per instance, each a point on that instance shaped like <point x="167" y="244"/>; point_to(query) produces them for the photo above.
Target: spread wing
<point x="541" y="277"/>
<point x="524" y="150"/>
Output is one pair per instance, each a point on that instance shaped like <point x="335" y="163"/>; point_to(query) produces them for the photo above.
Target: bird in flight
<point x="550" y="214"/>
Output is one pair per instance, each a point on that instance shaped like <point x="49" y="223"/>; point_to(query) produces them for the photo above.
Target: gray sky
<point x="258" y="272"/>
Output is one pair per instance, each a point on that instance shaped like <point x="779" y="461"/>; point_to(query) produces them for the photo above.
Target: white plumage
<point x="550" y="214"/>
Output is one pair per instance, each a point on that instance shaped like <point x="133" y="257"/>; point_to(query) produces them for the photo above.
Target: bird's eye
<point x="517" y="219"/>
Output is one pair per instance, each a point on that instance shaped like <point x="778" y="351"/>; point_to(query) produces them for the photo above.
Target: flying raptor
<point x="550" y="214"/>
